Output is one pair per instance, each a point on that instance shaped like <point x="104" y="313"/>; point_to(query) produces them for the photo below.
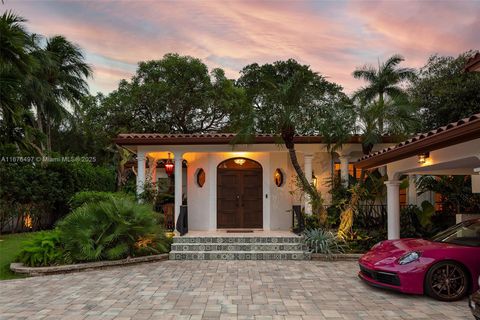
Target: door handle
<point x="238" y="200"/>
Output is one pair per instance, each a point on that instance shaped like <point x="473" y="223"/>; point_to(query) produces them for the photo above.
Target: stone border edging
<point x="37" y="271"/>
<point x="337" y="257"/>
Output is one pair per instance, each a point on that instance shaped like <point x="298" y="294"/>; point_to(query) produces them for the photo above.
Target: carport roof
<point x="454" y="133"/>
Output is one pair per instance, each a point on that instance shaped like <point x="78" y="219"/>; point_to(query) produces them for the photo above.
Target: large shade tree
<point x="385" y="84"/>
<point x="444" y="92"/>
<point x="176" y="94"/>
<point x="286" y="99"/>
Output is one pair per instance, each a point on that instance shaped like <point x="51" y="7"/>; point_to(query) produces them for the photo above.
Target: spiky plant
<point x="323" y="241"/>
<point x="110" y="230"/>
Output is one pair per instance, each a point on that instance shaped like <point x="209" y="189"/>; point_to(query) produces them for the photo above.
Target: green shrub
<point x="44" y="190"/>
<point x="112" y="229"/>
<point x="43" y="249"/>
<point x="312" y="221"/>
<point x="323" y="241"/>
<point x="83" y="197"/>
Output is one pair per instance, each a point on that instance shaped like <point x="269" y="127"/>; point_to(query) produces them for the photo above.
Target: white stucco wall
<point x="280" y="198"/>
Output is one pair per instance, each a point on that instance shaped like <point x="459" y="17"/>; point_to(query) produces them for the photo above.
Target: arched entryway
<point x="239" y="194"/>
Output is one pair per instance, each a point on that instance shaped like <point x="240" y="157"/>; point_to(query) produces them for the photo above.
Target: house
<point x="453" y="149"/>
<point x="233" y="186"/>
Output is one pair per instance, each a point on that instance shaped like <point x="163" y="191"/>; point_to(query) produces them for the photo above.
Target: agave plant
<point x="110" y="230"/>
<point x="323" y="241"/>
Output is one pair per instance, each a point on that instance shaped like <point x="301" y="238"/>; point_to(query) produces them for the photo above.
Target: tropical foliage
<point x="287" y="98"/>
<point x="43" y="249"/>
<point x="111" y="229"/>
<point x="323" y="241"/>
<point x="444" y="92"/>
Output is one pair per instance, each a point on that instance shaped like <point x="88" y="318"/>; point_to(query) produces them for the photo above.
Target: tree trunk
<point x="49" y="134"/>
<point x="381" y="102"/>
<point x="40" y="125"/>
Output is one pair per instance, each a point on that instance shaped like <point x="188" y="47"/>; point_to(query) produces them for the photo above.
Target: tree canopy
<point x="176" y="94"/>
<point x="444" y="92"/>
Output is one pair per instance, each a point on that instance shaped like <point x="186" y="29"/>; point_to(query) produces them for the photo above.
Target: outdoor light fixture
<point x="314" y="179"/>
<point x="422" y="157"/>
<point x="239" y="161"/>
<point x="169" y="166"/>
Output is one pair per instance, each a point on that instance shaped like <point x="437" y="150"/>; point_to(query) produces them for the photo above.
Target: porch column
<point x="344" y="160"/>
<point x="393" y="209"/>
<point x="178" y="183"/>
<point x="412" y="189"/>
<point x="152" y="166"/>
<point x="140" y="172"/>
<point x="308" y="174"/>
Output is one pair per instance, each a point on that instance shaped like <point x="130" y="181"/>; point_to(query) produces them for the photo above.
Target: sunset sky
<point x="332" y="36"/>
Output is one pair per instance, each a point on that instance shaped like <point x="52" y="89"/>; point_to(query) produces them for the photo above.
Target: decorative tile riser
<point x="237" y="240"/>
<point x="237" y="247"/>
<point x="239" y="255"/>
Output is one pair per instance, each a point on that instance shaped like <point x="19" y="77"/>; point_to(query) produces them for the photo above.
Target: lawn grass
<point x="9" y="248"/>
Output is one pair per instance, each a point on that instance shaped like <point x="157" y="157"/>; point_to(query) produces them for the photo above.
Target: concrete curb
<point x="38" y="271"/>
<point x="337" y="257"/>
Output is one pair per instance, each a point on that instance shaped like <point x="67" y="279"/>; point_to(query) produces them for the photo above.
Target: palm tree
<point x="383" y="83"/>
<point x="284" y="96"/>
<point x="59" y="79"/>
<point x="15" y="65"/>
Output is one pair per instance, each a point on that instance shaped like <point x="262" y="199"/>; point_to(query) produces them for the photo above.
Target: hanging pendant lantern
<point x="169" y="166"/>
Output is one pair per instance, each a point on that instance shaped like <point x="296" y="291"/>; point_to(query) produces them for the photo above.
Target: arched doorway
<point x="239" y="194"/>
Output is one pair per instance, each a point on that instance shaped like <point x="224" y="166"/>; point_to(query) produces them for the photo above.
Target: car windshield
<point x="466" y="233"/>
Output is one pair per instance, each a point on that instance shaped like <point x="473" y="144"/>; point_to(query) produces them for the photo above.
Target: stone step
<point x="240" y="255"/>
<point x="227" y="239"/>
<point x="238" y="246"/>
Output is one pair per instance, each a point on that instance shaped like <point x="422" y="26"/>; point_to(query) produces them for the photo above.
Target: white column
<point x="178" y="183"/>
<point x="412" y="189"/>
<point x="308" y="174"/>
<point x="344" y="160"/>
<point x="393" y="209"/>
<point x="140" y="172"/>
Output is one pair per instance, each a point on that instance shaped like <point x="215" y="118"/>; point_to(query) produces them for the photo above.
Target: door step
<point x="239" y="231"/>
<point x="240" y="255"/>
<point x="239" y="248"/>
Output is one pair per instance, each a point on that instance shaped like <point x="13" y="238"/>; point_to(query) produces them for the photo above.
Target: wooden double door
<point x="239" y="198"/>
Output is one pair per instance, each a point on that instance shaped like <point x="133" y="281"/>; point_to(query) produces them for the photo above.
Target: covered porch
<point x="450" y="150"/>
<point x="237" y="186"/>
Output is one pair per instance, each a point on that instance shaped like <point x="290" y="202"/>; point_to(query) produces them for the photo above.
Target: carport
<point x="453" y="149"/>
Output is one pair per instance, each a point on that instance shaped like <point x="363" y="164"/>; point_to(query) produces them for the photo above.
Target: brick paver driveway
<point x="216" y="290"/>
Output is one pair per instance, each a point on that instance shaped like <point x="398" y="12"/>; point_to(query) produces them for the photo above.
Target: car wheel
<point x="446" y="281"/>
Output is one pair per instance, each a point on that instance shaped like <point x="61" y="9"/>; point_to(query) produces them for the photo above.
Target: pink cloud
<point x="333" y="38"/>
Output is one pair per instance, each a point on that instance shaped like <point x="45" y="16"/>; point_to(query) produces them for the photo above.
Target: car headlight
<point x="409" y="257"/>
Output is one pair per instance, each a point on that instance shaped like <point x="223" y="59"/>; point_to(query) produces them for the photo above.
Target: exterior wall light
<point x="314" y="179"/>
<point x="422" y="157"/>
<point x="169" y="166"/>
<point x="239" y="161"/>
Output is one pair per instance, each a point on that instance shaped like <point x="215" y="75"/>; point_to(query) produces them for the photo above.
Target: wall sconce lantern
<point x="314" y="179"/>
<point x="422" y="157"/>
<point x="169" y="166"/>
<point x="278" y="177"/>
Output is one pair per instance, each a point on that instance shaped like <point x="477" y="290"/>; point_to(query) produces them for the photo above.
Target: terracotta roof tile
<point x="423" y="138"/>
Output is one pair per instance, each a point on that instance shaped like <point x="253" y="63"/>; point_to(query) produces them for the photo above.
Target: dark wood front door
<point x="239" y="198"/>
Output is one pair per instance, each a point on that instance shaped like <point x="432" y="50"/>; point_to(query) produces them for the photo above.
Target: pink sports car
<point x="445" y="267"/>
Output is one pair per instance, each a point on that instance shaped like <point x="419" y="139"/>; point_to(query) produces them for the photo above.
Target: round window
<point x="278" y="177"/>
<point x="200" y="177"/>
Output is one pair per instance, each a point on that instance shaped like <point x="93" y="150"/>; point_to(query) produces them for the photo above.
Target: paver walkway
<point x="216" y="290"/>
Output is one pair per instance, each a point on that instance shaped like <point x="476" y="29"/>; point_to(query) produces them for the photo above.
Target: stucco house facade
<point x="235" y="186"/>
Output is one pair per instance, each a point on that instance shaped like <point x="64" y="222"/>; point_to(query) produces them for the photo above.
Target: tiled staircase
<point x="239" y="248"/>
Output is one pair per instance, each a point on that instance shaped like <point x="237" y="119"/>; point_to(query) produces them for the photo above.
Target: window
<point x="200" y="177"/>
<point x="352" y="170"/>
